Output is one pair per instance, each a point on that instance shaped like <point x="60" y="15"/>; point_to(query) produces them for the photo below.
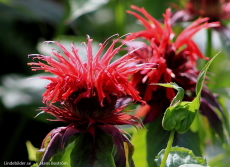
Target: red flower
<point x="96" y="77"/>
<point x="84" y="94"/>
<point x="215" y="10"/>
<point x="176" y="59"/>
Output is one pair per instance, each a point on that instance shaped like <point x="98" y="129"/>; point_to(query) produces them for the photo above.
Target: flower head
<point x="176" y="59"/>
<point x="84" y="94"/>
<point x="215" y="10"/>
<point x="96" y="77"/>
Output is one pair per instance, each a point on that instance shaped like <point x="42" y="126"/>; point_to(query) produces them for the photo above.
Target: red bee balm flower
<point x="216" y="10"/>
<point x="84" y="94"/>
<point x="176" y="59"/>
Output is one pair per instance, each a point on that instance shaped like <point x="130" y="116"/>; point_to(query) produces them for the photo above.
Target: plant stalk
<point x="120" y="16"/>
<point x="167" y="150"/>
<point x="208" y="51"/>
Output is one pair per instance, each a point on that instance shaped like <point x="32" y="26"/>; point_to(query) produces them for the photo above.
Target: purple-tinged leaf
<point x="52" y="148"/>
<point x="120" y="158"/>
<point x="93" y="152"/>
<point x="209" y="97"/>
<point x="214" y="120"/>
<point x="70" y="131"/>
<point x="129" y="150"/>
<point x="53" y="145"/>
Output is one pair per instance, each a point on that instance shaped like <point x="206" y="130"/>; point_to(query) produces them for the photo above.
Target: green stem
<point x="167" y="150"/>
<point x="120" y="16"/>
<point x="209" y="43"/>
<point x="62" y="26"/>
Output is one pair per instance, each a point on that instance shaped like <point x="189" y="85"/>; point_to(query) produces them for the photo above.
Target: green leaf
<point x="202" y="75"/>
<point x="178" y="118"/>
<point x="51" y="147"/>
<point x="156" y="140"/>
<point x="81" y="7"/>
<point x="31" y="151"/>
<point x="40" y="153"/>
<point x="96" y="152"/>
<point x="189" y="140"/>
<point x="149" y="143"/>
<point x="129" y="150"/>
<point x="180" y="94"/>
<point x="139" y="141"/>
<point x="192" y="165"/>
<point x="221" y="159"/>
<point x="34" y="165"/>
<point x="179" y="156"/>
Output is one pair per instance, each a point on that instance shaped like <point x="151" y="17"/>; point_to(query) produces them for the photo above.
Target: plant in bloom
<point x="84" y="95"/>
<point x="215" y="10"/>
<point x="176" y="59"/>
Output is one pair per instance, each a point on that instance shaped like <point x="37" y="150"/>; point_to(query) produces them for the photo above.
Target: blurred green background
<point x="26" y="24"/>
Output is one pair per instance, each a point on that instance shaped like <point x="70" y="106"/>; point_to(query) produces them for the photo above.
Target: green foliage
<point x="150" y="141"/>
<point x="129" y="150"/>
<point x="87" y="152"/>
<point x="31" y="151"/>
<point x="81" y="7"/>
<point x="178" y="118"/>
<point x="156" y="140"/>
<point x="139" y="141"/>
<point x="179" y="156"/>
<point x="40" y="153"/>
<point x="34" y="165"/>
<point x="180" y="115"/>
<point x="179" y="96"/>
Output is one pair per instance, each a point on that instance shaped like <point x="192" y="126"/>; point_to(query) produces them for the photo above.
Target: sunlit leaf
<point x="81" y="7"/>
<point x="18" y="90"/>
<point x="192" y="165"/>
<point x="34" y="165"/>
<point x="31" y="151"/>
<point x="179" y="156"/>
<point x="139" y="141"/>
<point x="129" y="150"/>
